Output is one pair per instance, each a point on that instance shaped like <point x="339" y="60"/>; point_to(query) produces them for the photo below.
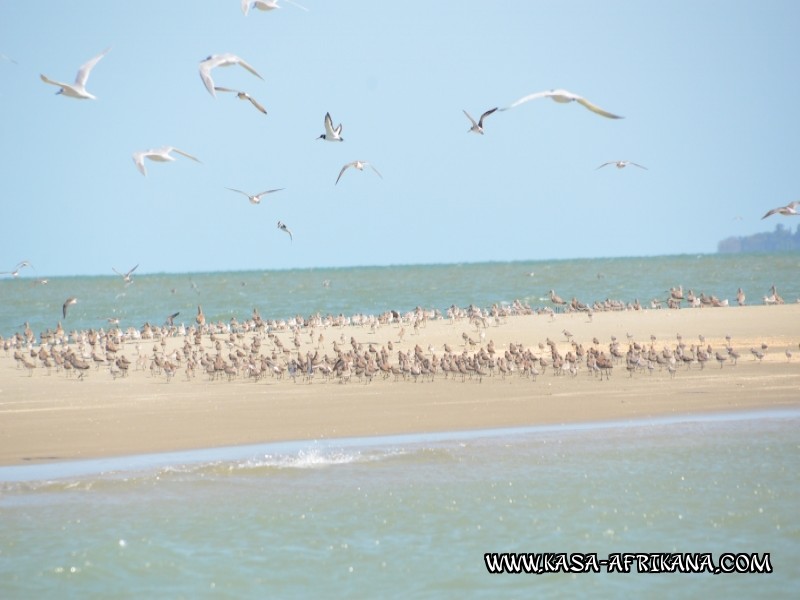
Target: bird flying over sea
<point x="255" y="198"/>
<point x="78" y="89"/>
<point x="478" y="127"/>
<point x="790" y="210"/>
<point x="621" y="164"/>
<point x="159" y="155"/>
<point x="67" y="303"/>
<point x="126" y="277"/>
<point x="563" y="97"/>
<point x="20" y="265"/>
<point x="243" y="96"/>
<point x="221" y="60"/>
<point x="358" y="164"/>
<point x="331" y="134"/>
<point x="282" y="226"/>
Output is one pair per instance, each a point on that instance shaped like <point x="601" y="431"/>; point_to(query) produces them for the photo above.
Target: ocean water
<point x="413" y="516"/>
<point x="374" y="290"/>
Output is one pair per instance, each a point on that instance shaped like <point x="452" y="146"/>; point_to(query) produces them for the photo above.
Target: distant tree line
<point x="780" y="240"/>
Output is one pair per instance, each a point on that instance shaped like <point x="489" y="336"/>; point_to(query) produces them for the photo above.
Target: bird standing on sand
<point x="200" y="319"/>
<point x="282" y="226"/>
<point x="358" y="164"/>
<point x="564" y="97"/>
<point x="621" y="164"/>
<point x="255" y="198"/>
<point x="244" y="96"/>
<point x="159" y="155"/>
<point x="478" y="127"/>
<point x="221" y="60"/>
<point x="790" y="210"/>
<point x="332" y="134"/>
<point x="67" y="303"/>
<point x="78" y="89"/>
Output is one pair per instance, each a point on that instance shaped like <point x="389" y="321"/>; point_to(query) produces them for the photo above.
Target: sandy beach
<point x="49" y="415"/>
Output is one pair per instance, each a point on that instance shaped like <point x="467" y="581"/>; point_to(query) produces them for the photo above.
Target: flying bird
<point x="358" y="164"/>
<point x="171" y="319"/>
<point x="67" y="303"/>
<point x="159" y="155"/>
<point x="790" y="210"/>
<point x="127" y="277"/>
<point x="282" y="226"/>
<point x="478" y="127"/>
<point x="564" y="97"/>
<point x="331" y="134"/>
<point x="20" y="265"/>
<point x="255" y="198"/>
<point x="265" y="5"/>
<point x="244" y="96"/>
<point x="621" y="164"/>
<point x="221" y="60"/>
<point x="78" y="89"/>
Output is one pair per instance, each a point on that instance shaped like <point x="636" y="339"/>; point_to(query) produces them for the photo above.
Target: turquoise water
<point x="399" y="517"/>
<point x="373" y="290"/>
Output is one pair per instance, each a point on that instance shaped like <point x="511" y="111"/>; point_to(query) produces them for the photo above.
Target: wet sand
<point x="49" y="416"/>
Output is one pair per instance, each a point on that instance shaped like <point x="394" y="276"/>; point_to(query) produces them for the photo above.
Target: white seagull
<point x="255" y="198"/>
<point x="478" y="127"/>
<point x="78" y="89"/>
<point x="244" y="96"/>
<point x="790" y="210"/>
<point x="564" y="97"/>
<point x="221" y="60"/>
<point x="358" y="164"/>
<point x="20" y="265"/>
<point x="126" y="277"/>
<point x="621" y="164"/>
<point x="331" y="134"/>
<point x="282" y="226"/>
<point x="265" y="5"/>
<point x="159" y="155"/>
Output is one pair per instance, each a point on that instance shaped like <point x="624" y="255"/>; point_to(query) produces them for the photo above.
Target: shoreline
<point x="52" y="471"/>
<point x="52" y="418"/>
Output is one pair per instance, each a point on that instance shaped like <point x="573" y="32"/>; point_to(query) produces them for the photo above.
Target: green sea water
<point x="373" y="290"/>
<point x="414" y="517"/>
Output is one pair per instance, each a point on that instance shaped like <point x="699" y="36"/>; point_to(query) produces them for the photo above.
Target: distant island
<point x="780" y="240"/>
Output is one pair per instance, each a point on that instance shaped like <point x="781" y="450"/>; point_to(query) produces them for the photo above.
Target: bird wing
<point x="297" y="5"/>
<point x="638" y="165"/>
<point x="344" y="168"/>
<point x="255" y="103"/>
<point x="245" y="7"/>
<point x="596" y="109"/>
<point x="474" y="124"/>
<point x="376" y="170"/>
<point x="219" y="88"/>
<point x="86" y="68"/>
<point x="525" y="99"/>
<point x="117" y="272"/>
<point x="328" y="125"/>
<point x="605" y="164"/>
<point x="268" y="192"/>
<point x="138" y="159"/>
<point x="240" y="191"/>
<point x="132" y="270"/>
<point x="186" y="154"/>
<point x="770" y="213"/>
<point x="486" y="114"/>
<point x="205" y="75"/>
<point x="248" y="67"/>
<point x="53" y="82"/>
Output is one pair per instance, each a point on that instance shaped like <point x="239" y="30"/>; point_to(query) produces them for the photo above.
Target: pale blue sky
<point x="709" y="91"/>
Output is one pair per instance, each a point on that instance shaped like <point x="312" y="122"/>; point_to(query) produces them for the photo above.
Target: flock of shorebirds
<point x="296" y="349"/>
